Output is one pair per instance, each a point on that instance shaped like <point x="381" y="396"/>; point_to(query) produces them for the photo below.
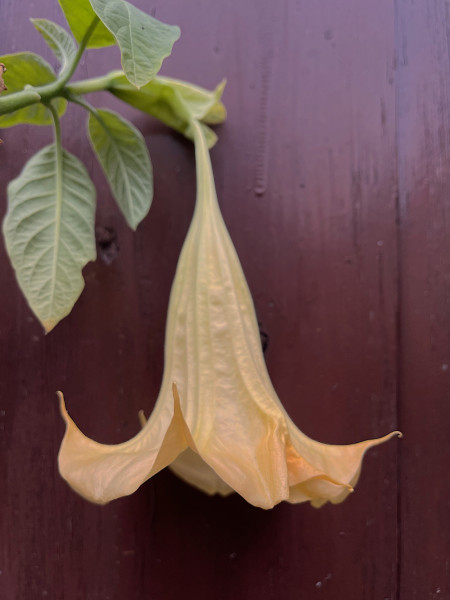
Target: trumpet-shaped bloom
<point x="217" y="421"/>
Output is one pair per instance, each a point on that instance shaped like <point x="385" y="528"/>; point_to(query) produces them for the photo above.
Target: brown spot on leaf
<point x="2" y="83"/>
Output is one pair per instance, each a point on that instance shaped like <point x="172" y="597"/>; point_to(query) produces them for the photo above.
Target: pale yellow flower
<point x="218" y="421"/>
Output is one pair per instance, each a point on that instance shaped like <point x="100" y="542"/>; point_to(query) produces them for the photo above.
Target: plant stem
<point x="95" y="84"/>
<point x="57" y="126"/>
<point x="67" y="74"/>
<point x="83" y="103"/>
<point x="91" y="109"/>
<point x="206" y="189"/>
<point x="44" y="93"/>
<point x="17" y="100"/>
<point x="33" y="95"/>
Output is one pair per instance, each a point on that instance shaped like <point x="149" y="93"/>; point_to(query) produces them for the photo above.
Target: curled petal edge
<point x="101" y="472"/>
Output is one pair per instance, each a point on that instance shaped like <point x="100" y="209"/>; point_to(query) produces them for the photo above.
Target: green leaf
<point x="79" y="15"/>
<point x="175" y="103"/>
<point x="58" y="39"/>
<point x="203" y="105"/>
<point x="144" y="41"/>
<point x="123" y="154"/>
<point x="26" y="68"/>
<point x="49" y="231"/>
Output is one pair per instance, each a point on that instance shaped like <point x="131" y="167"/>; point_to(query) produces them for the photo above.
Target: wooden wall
<point x="333" y="174"/>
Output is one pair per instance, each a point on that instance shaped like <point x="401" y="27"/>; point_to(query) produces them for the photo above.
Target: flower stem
<point x="206" y="189"/>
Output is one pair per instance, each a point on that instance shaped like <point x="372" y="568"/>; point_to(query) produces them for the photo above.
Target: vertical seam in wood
<point x="399" y="295"/>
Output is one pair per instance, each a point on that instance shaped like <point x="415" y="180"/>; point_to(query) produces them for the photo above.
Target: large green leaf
<point x="26" y="68"/>
<point x="58" y="39"/>
<point x="79" y="15"/>
<point x="144" y="41"/>
<point x="175" y="103"/>
<point x="49" y="231"/>
<point x="122" y="152"/>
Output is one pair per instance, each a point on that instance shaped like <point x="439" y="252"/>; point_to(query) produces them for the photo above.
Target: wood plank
<point x="306" y="176"/>
<point x="424" y="183"/>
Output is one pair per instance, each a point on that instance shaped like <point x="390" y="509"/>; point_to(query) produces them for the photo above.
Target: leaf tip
<point x="131" y="222"/>
<point x="220" y="87"/>
<point x="49" y="324"/>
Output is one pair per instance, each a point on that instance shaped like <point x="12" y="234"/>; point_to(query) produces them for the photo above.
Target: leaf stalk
<point x="66" y="74"/>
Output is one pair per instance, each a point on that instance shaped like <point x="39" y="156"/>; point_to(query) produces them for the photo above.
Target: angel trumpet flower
<point x="217" y="421"/>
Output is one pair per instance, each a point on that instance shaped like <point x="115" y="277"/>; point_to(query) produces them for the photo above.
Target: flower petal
<point x="322" y="472"/>
<point x="224" y="408"/>
<point x="192" y="469"/>
<point x="240" y="427"/>
<point x="102" y="472"/>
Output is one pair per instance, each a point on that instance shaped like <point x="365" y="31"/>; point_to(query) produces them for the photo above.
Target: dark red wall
<point x="333" y="174"/>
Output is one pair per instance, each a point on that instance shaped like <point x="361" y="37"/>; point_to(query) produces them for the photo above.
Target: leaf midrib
<point x="121" y="163"/>
<point x="63" y="57"/>
<point x="58" y="213"/>
<point x="131" y="42"/>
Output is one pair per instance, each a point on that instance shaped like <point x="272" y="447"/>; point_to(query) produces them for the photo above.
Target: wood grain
<point x="424" y="185"/>
<point x="333" y="176"/>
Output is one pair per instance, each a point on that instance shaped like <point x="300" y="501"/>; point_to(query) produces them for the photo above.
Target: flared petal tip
<point x="62" y="407"/>
<point x="385" y="438"/>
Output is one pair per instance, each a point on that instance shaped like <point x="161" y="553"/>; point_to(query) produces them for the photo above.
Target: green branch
<point x="13" y="102"/>
<point x="45" y="93"/>
<point x="66" y="74"/>
<point x="57" y="126"/>
<point x="84" y="104"/>
<point x="95" y="84"/>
